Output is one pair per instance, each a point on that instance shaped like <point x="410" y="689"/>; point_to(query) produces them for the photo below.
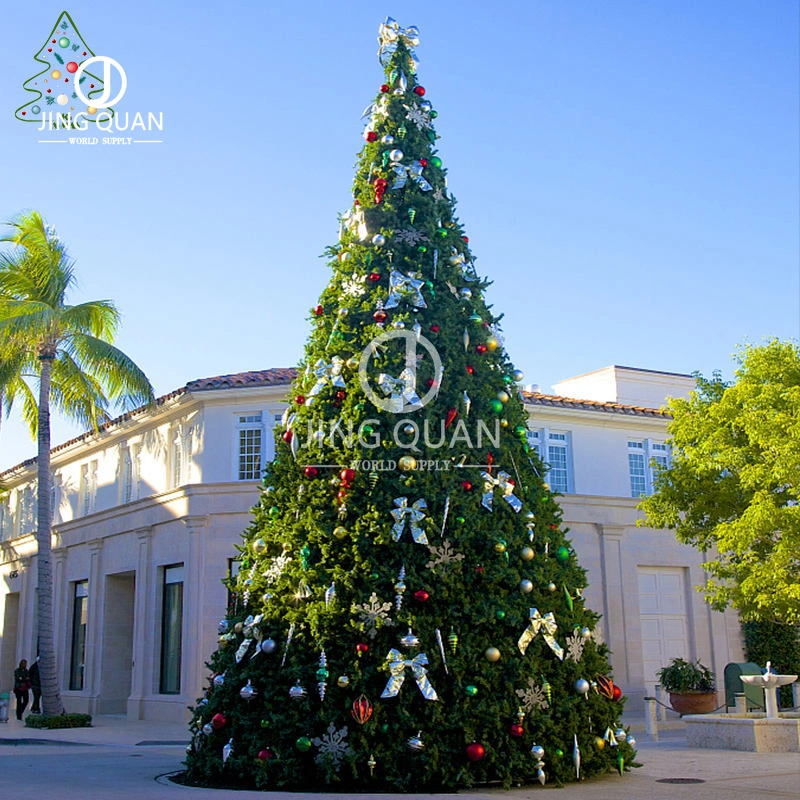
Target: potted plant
<point x="691" y="686"/>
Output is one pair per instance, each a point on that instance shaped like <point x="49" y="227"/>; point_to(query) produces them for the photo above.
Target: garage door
<point x="664" y="620"/>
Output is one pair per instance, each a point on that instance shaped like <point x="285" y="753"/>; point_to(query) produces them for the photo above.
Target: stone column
<point x="192" y="659"/>
<point x="142" y="655"/>
<point x="61" y="607"/>
<point x="614" y="622"/>
<point x="94" y="628"/>
<point x="26" y="638"/>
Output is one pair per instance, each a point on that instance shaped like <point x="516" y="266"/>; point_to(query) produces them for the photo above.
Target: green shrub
<point x="681" y="676"/>
<point x="63" y="721"/>
<point x="778" y="643"/>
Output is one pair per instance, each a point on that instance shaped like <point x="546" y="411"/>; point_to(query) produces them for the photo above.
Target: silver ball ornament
<point x="582" y="686"/>
<point x="631" y="741"/>
<point x="586" y="633"/>
<point x="388" y="139"/>
<point x="503" y="397"/>
<point x="466" y="294"/>
<point x="620" y="735"/>
<point x="297" y="692"/>
<point x="379" y="240"/>
<point x="396" y="155"/>
<point x="222" y="627"/>
<point x="207" y="729"/>
<point x="526" y="585"/>
<point x="425" y="105"/>
<point x="517" y="375"/>
<point x="537" y="751"/>
<point x="551" y="587"/>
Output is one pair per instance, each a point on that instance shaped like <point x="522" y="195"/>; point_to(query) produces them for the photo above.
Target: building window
<point x="250" y="435"/>
<point x="645" y="459"/>
<point x="171" y="625"/>
<point x="553" y="448"/>
<point x="125" y="474"/>
<point x="87" y="489"/>
<point x="80" y="607"/>
<point x="27" y="513"/>
<point x="6" y="526"/>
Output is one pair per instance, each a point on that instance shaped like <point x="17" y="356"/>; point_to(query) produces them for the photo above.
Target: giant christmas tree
<point x="408" y="612"/>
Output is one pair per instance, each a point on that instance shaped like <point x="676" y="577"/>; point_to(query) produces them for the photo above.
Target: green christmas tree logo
<point x="54" y="87"/>
<point x="408" y="614"/>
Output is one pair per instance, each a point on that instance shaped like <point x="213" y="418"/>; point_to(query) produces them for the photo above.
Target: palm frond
<point x="98" y="318"/>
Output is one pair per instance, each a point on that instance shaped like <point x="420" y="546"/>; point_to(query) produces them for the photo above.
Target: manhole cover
<point x="680" y="780"/>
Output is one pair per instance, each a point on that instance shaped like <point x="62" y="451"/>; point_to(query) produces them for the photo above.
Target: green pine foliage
<point x="330" y="582"/>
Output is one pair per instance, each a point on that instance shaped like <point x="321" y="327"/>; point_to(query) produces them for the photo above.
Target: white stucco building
<point x="148" y="511"/>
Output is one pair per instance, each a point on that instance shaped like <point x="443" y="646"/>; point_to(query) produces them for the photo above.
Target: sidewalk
<point x="118" y="758"/>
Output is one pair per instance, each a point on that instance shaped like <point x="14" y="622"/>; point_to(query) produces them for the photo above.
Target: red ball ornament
<point x="379" y="315"/>
<point x="384" y="87"/>
<point x="319" y="311"/>
<point x="617" y="693"/>
<point x="371" y="136"/>
<point x="470" y="370"/>
<point x="340" y="395"/>
<point x="466" y="239"/>
<point x="475" y="751"/>
<point x="419" y="91"/>
<point x="431" y="382"/>
<point x="310" y="472"/>
<point x="374" y="276"/>
<point x="361" y="648"/>
<point x="72" y="66"/>
<point x="300" y="399"/>
<point x="480" y="349"/>
<point x="434" y="329"/>
<point x="479" y="570"/>
<point x="347" y="475"/>
<point x="424" y="162"/>
<point x="341" y="494"/>
<point x="421" y="596"/>
<point x="264" y="755"/>
<point x="286" y="436"/>
<point x="218" y="722"/>
<point x="517" y="730"/>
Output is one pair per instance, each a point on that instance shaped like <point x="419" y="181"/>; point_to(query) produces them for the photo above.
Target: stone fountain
<point x="772" y="732"/>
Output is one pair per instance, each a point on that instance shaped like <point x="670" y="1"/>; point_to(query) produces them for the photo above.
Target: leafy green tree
<point x="55" y="354"/>
<point x="409" y="612"/>
<point x="733" y="485"/>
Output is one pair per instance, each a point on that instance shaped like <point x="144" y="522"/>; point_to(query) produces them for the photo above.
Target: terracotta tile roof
<point x="557" y="401"/>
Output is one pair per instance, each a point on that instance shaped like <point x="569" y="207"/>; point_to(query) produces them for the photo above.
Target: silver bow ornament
<point x="415" y="515"/>
<point x="390" y="33"/>
<point x="397" y="667"/>
<point x="546" y="624"/>
<point x="407" y="288"/>
<point x="401" y="390"/>
<point x="502" y="482"/>
<point x="327" y="374"/>
<point x="403" y="172"/>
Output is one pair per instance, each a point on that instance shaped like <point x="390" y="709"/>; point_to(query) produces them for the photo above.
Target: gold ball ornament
<point x="407" y="463"/>
<point x="527" y="553"/>
<point x="492" y="344"/>
<point x="352" y="363"/>
<point x="500" y="546"/>
<point x="340" y="532"/>
<point x="238" y="627"/>
<point x="600" y="743"/>
<point x="492" y="654"/>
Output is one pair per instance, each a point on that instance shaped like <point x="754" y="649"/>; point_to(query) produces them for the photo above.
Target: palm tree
<point x="67" y="351"/>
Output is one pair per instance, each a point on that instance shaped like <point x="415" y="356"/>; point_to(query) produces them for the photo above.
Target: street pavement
<point x="117" y="758"/>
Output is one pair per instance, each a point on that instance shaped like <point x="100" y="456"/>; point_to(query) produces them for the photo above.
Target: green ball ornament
<point x="385" y="727"/>
<point x="367" y="429"/>
<point x="507" y="379"/>
<point x="442" y="232"/>
<point x="562" y="554"/>
<point x="559" y="752"/>
<point x="521" y="431"/>
<point x="497" y="406"/>
<point x="435" y="161"/>
<point x="500" y="614"/>
<point x="471" y="691"/>
<point x="63" y="42"/>
<point x="422" y="249"/>
<point x="303" y="744"/>
<point x="460" y="520"/>
<point x="274" y="512"/>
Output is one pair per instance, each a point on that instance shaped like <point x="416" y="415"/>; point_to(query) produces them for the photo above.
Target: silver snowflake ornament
<point x="374" y="614"/>
<point x="276" y="568"/>
<point x="409" y="236"/>
<point x="332" y="745"/>
<point x="533" y="697"/>
<point x="575" y="644"/>
<point x="354" y="285"/>
<point x="438" y="194"/>
<point x="422" y="119"/>
<point x="444" y="556"/>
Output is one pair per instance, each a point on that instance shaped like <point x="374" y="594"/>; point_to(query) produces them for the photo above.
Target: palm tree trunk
<point x="48" y="669"/>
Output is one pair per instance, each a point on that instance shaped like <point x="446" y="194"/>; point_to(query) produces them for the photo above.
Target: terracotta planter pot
<point x="693" y="702"/>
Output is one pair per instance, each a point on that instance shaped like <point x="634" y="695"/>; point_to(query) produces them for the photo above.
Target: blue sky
<point x="627" y="173"/>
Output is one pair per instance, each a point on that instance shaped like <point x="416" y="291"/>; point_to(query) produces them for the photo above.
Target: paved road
<point x="119" y="763"/>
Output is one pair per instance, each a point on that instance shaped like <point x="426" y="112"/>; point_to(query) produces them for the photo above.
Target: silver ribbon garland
<point x="490" y="483"/>
<point x="407" y="288"/>
<point x="546" y="624"/>
<point x="401" y="390"/>
<point x="327" y="373"/>
<point x="415" y="515"/>
<point x="397" y="667"/>
<point x="402" y="173"/>
<point x="390" y="33"/>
